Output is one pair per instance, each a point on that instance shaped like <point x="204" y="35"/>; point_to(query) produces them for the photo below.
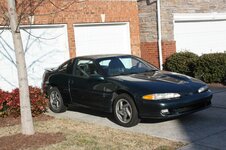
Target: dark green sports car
<point x="124" y="85"/>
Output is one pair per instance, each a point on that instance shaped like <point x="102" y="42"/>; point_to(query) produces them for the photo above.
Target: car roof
<point x="102" y="56"/>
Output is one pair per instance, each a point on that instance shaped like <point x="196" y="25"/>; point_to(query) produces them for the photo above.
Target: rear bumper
<point x="166" y="109"/>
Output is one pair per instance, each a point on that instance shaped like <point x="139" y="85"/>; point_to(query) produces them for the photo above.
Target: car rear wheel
<point x="56" y="103"/>
<point x="125" y="111"/>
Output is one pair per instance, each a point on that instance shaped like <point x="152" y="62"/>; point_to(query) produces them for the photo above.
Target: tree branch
<point x="7" y="44"/>
<point x="41" y="38"/>
<point x="7" y="81"/>
<point x="9" y="58"/>
<point x="38" y="59"/>
<point x="64" y="8"/>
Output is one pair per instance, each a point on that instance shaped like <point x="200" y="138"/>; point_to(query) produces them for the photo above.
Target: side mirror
<point x="96" y="77"/>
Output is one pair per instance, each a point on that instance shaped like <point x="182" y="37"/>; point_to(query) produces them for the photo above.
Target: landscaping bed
<point x="217" y="85"/>
<point x="11" y="120"/>
<point x="19" y="141"/>
<point x="52" y="133"/>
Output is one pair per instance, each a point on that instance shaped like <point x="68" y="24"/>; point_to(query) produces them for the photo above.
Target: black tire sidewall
<point x="135" y="119"/>
<point x="61" y="108"/>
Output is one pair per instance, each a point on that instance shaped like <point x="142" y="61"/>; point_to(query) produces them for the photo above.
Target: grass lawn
<point x="76" y="135"/>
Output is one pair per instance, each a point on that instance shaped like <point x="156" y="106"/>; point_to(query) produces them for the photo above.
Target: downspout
<point x="159" y="34"/>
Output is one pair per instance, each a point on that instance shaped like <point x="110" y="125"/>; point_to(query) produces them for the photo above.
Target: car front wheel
<point x="125" y="111"/>
<point x="56" y="103"/>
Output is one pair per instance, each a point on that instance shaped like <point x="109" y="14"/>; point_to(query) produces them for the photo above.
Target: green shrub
<point x="211" y="68"/>
<point x="182" y="62"/>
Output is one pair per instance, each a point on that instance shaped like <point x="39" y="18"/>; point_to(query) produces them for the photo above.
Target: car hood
<point x="161" y="82"/>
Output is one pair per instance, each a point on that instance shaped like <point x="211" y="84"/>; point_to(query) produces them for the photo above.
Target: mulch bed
<point x="19" y="141"/>
<point x="11" y="121"/>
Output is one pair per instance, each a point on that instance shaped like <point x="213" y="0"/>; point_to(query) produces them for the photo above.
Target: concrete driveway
<point x="202" y="130"/>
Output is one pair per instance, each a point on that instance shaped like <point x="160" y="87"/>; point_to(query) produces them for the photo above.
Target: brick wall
<point x="149" y="51"/>
<point x="148" y="23"/>
<point x="168" y="48"/>
<point x="148" y="19"/>
<point x="148" y="35"/>
<point x="89" y="11"/>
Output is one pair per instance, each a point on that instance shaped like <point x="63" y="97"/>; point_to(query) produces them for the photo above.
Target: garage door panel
<point x="200" y="37"/>
<point x="45" y="47"/>
<point x="102" y="39"/>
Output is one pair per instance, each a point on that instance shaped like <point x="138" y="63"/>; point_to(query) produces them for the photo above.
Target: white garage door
<point x="45" y="47"/>
<point x="200" y="33"/>
<point x="93" y="39"/>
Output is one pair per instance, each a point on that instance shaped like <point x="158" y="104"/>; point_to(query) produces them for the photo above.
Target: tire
<point x="125" y="111"/>
<point x="56" y="103"/>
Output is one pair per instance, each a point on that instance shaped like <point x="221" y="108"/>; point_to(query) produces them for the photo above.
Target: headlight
<point x="203" y="89"/>
<point x="160" y="96"/>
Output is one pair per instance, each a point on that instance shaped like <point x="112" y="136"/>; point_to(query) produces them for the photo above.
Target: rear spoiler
<point x="50" y="69"/>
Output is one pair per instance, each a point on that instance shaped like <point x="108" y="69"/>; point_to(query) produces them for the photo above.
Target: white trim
<point x="183" y="17"/>
<point x="98" y="24"/>
<point x="66" y="37"/>
<point x="38" y="26"/>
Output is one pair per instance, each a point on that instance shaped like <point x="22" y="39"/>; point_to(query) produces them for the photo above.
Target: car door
<point x="60" y="79"/>
<point x="87" y="86"/>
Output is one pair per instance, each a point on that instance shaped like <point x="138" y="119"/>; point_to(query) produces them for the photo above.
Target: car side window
<point x="85" y="68"/>
<point x="63" y="67"/>
<point x="66" y="67"/>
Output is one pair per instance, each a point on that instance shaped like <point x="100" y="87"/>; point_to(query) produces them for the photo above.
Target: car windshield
<point x="124" y="65"/>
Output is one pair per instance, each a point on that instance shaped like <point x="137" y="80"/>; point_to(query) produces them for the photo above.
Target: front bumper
<point x="184" y="105"/>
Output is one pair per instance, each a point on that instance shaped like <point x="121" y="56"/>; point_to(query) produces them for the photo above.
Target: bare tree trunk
<point x="25" y="106"/>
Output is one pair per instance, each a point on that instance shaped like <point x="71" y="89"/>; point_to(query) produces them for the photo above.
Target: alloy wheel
<point x="123" y="111"/>
<point x="55" y="100"/>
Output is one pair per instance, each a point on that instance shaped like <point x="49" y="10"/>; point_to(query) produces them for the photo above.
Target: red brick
<point x="89" y="12"/>
<point x="149" y="51"/>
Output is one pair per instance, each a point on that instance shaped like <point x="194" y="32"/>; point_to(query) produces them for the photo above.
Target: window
<point x="124" y="65"/>
<point x="85" y="68"/>
<point x="66" y="67"/>
<point x="63" y="67"/>
<point x="130" y="63"/>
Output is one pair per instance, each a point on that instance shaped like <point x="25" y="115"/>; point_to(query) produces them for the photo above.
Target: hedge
<point x="211" y="68"/>
<point x="10" y="102"/>
<point x="182" y="62"/>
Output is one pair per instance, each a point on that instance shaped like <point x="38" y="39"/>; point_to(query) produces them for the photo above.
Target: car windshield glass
<point x="124" y="65"/>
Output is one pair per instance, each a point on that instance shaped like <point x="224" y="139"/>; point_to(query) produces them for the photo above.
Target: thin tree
<point x="25" y="106"/>
<point x="16" y="13"/>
